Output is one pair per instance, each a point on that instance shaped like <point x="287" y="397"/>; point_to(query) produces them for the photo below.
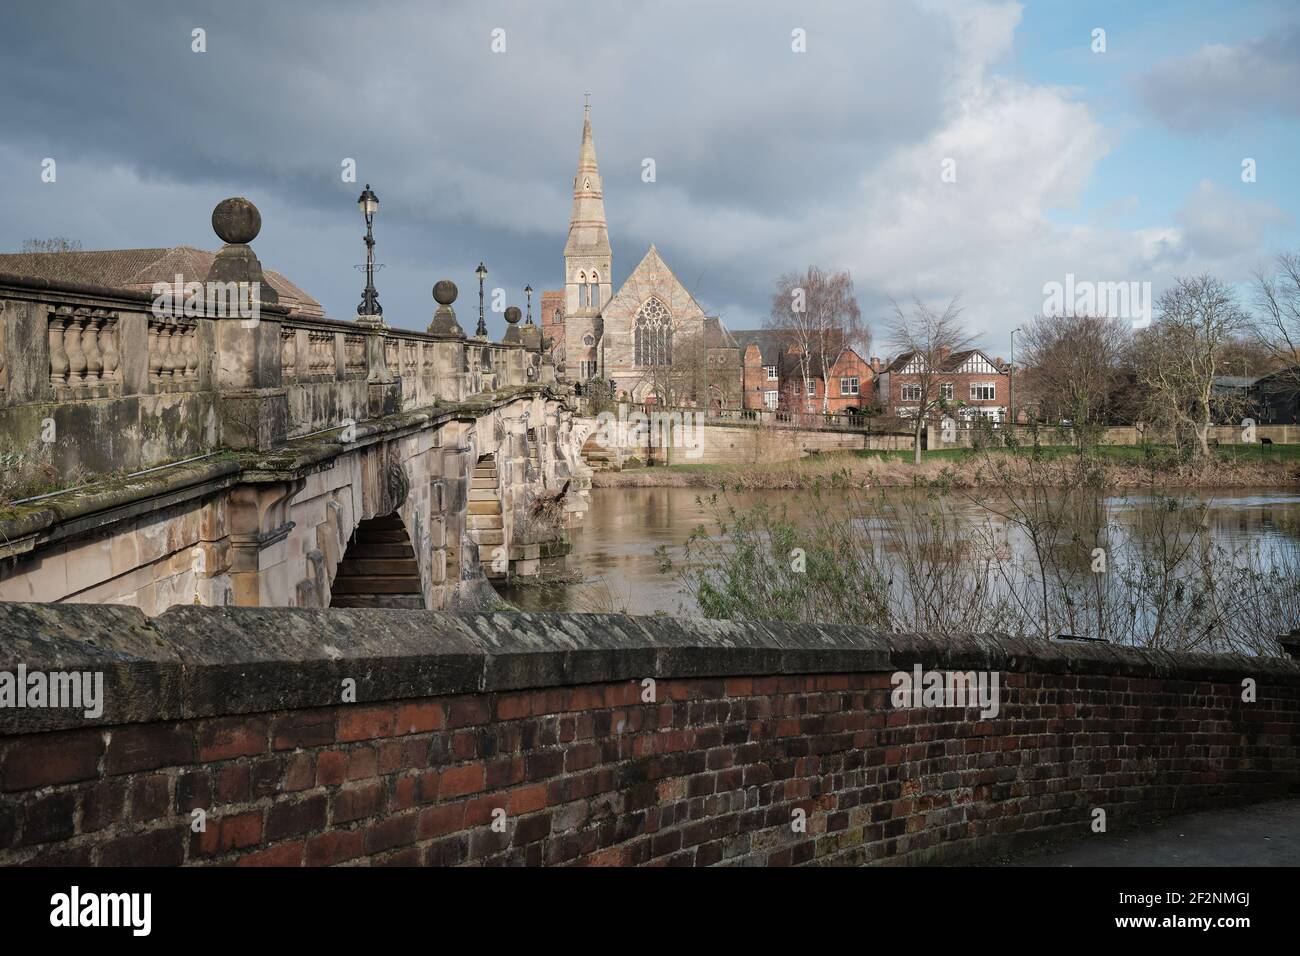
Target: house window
<point x="946" y="391"/>
<point x="654" y="334"/>
<point x="771" y="372"/>
<point x="588" y="370"/>
<point x="911" y="393"/>
<point x="983" y="393"/>
<point x="588" y="340"/>
<point x="812" y="386"/>
<point x="992" y="414"/>
<point x="770" y="399"/>
<point x="849" y="386"/>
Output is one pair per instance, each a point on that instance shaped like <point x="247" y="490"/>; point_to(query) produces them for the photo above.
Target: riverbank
<point x="1275" y="466"/>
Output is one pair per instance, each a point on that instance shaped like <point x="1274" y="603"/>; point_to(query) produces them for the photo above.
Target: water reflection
<point x="615" y="550"/>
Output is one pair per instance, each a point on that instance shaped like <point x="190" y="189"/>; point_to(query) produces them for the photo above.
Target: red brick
<point x="441" y="820"/>
<point x="335" y="847"/>
<point x="231" y="737"/>
<point x="103" y="805"/>
<point x="459" y="781"/>
<point x="285" y="854"/>
<point x="527" y="799"/>
<point x="232" y="783"/>
<point x="151" y="848"/>
<point x="419" y="718"/>
<point x="358" y="802"/>
<point x="468" y="711"/>
<point x="291" y="819"/>
<point x="149" y="797"/>
<point x="363" y="763"/>
<point x="310" y="728"/>
<point x="300" y="773"/>
<point x="591" y="697"/>
<point x="149" y="747"/>
<point x="331" y="768"/>
<point x="365" y="723"/>
<point x="32" y="762"/>
<point x="228" y="833"/>
<point x="391" y="832"/>
<point x="514" y="706"/>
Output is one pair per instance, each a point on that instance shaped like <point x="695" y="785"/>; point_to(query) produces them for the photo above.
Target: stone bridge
<point x="216" y="455"/>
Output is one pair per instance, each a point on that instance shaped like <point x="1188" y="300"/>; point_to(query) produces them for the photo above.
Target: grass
<point x="1127" y="466"/>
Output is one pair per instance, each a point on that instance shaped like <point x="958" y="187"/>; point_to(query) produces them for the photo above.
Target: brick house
<point x="771" y="376"/>
<point x="973" y="385"/>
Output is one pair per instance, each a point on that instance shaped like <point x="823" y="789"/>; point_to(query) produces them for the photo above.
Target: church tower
<point x="586" y="253"/>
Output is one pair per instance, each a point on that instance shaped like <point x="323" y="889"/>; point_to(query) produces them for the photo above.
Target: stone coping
<point x="38" y="285"/>
<point x="193" y="661"/>
<point x="110" y="499"/>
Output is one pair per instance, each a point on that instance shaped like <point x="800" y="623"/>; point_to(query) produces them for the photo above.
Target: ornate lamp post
<point x="370" y="312"/>
<point x="481" y="331"/>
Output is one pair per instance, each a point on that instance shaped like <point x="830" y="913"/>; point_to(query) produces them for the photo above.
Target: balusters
<point x="84" y="356"/>
<point x="288" y="354"/>
<point x="173" y="353"/>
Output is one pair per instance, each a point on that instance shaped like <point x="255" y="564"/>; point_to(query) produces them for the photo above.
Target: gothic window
<point x="654" y="334"/>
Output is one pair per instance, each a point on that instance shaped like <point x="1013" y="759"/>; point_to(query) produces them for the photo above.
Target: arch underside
<point x="379" y="568"/>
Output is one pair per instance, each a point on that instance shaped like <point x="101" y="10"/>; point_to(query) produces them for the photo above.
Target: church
<point x="651" y="339"/>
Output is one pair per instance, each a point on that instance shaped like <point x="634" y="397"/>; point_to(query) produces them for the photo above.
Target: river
<point x="616" y="566"/>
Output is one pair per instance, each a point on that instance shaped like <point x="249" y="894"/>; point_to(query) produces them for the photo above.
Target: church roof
<point x="588" y="234"/>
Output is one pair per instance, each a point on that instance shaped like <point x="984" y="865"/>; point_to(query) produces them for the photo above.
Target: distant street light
<point x="481" y="331"/>
<point x="370" y="312"/>
<point x="1011" y="372"/>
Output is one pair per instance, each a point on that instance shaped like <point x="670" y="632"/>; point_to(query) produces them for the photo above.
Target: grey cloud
<point x="1220" y="84"/>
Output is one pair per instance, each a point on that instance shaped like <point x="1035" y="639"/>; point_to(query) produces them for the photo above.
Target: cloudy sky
<point x="1122" y="165"/>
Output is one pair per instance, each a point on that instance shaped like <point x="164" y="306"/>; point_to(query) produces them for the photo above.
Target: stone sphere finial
<point x="444" y="292"/>
<point x="512" y="314"/>
<point x="236" y="221"/>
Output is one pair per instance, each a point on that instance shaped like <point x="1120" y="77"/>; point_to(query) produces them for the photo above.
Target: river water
<point x="616" y="566"/>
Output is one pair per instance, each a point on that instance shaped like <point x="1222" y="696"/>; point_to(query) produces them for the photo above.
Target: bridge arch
<point x="379" y="567"/>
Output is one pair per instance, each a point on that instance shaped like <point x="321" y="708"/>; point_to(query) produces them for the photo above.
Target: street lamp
<point x="370" y="312"/>
<point x="1011" y="373"/>
<point x="481" y="331"/>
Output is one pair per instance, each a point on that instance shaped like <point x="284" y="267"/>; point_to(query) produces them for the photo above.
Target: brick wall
<point x="749" y="724"/>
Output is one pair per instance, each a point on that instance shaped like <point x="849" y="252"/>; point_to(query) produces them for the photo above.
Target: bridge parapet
<point x="97" y="380"/>
<point x="606" y="739"/>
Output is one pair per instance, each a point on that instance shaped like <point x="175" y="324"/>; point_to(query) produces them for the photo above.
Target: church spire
<point x="587" y="252"/>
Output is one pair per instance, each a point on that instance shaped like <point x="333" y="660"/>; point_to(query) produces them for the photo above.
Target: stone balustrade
<point x="96" y="379"/>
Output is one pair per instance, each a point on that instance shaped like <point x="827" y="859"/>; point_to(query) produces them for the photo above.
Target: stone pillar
<point x="253" y="408"/>
<point x="383" y="388"/>
<point x="451" y="354"/>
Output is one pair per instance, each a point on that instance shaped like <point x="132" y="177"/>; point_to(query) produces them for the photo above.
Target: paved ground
<point x="1264" y="834"/>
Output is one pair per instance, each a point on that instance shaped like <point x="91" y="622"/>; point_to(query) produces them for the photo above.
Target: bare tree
<point x="819" y="320"/>
<point x="1278" y="299"/>
<point x="1182" y="353"/>
<point x="927" y="338"/>
<point x="52" y="244"/>
<point x="1073" y="366"/>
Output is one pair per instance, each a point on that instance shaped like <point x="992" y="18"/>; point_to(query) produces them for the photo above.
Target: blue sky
<point x="1122" y="166"/>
